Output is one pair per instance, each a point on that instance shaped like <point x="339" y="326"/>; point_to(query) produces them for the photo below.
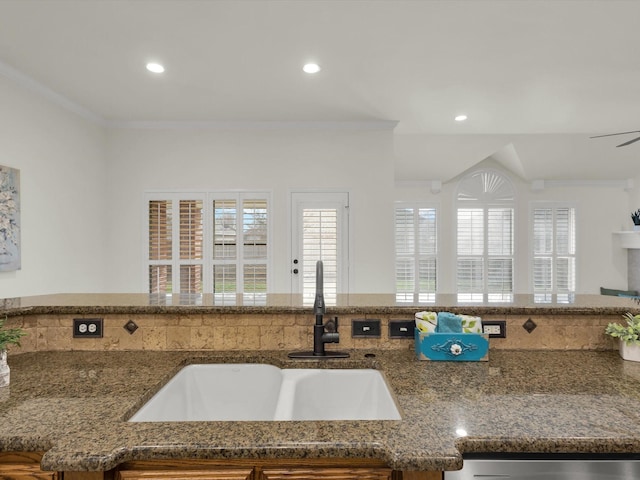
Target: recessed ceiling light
<point x="461" y="118"/>
<point x="155" y="67"/>
<point x="311" y="68"/>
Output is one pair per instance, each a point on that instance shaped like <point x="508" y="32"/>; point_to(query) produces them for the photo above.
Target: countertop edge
<point x="404" y="311"/>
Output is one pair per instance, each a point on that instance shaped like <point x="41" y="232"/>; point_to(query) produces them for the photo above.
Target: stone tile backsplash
<point x="286" y="332"/>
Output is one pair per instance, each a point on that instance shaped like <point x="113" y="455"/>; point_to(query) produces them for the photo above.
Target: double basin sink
<point x="262" y="392"/>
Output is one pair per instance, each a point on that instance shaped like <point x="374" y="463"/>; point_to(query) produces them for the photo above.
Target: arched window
<point x="485" y="237"/>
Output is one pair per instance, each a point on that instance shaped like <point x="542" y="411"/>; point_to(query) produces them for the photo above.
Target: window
<point x="416" y="251"/>
<point x="207" y="243"/>
<point x="554" y="252"/>
<point x="485" y="238"/>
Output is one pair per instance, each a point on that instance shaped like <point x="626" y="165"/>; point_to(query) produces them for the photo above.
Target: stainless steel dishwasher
<point x="551" y="467"/>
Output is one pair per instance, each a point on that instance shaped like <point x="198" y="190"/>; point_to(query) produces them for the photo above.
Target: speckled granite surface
<point x="74" y="406"/>
<point x="116" y="303"/>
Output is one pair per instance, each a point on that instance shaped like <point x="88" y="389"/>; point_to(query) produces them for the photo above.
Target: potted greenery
<point x="635" y="216"/>
<point x="628" y="336"/>
<point x="8" y="336"/>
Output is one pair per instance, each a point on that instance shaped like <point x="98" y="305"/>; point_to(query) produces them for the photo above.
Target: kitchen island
<point x="557" y="388"/>
<point x="74" y="407"/>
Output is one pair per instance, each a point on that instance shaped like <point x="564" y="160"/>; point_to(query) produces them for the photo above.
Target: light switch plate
<point x="366" y="328"/>
<point x="401" y="328"/>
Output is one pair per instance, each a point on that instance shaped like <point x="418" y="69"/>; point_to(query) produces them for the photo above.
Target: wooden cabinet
<point x="23" y="466"/>
<point x="324" y="473"/>
<point x="195" y="474"/>
<point x="294" y="469"/>
<point x="26" y="466"/>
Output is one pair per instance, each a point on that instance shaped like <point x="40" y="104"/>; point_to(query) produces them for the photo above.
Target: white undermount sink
<point x="260" y="392"/>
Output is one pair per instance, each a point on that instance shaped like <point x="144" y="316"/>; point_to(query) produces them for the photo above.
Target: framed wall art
<point x="9" y="219"/>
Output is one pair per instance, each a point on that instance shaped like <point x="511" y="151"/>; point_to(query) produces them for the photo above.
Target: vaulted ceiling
<point x="536" y="78"/>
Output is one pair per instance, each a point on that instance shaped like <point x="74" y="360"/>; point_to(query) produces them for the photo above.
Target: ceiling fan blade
<point x="612" y="134"/>
<point x="629" y="142"/>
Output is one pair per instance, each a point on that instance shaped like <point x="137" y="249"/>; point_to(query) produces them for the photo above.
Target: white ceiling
<point x="517" y="68"/>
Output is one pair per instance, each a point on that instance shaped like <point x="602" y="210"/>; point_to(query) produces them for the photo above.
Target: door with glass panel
<point x="320" y="229"/>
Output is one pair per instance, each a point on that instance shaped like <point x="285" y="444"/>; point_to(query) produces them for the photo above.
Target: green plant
<point x="9" y="336"/>
<point x="635" y="216"/>
<point x="628" y="333"/>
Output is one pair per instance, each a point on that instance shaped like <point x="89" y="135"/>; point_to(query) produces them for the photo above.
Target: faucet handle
<point x="332" y="325"/>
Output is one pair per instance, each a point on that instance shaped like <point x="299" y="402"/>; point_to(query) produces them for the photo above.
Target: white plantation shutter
<point x="554" y="251"/>
<point x="225" y="246"/>
<point x="500" y="254"/>
<point x="254" y="246"/>
<point x="216" y="244"/>
<point x="416" y="253"/>
<point x="485" y="238"/>
<point x="405" y="236"/>
<point x="320" y="242"/>
<point x="160" y="246"/>
<point x="470" y="231"/>
<point x="191" y="245"/>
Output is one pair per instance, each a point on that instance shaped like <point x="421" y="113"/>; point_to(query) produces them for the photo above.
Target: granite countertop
<point x="74" y="406"/>
<point x="138" y="303"/>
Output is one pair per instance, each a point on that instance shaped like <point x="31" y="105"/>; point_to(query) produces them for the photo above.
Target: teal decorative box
<point x="452" y="347"/>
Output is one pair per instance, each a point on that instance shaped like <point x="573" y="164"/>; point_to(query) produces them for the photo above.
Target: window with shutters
<point x="554" y="252"/>
<point x="416" y="253"/>
<point x="207" y="243"/>
<point x="485" y="238"/>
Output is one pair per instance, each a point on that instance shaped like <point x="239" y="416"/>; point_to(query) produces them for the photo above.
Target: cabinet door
<point x="23" y="466"/>
<point x="25" y="472"/>
<point x="330" y="473"/>
<point x="213" y="474"/>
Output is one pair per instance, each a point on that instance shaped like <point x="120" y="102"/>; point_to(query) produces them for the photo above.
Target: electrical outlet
<point x="495" y="328"/>
<point x="365" y="328"/>
<point x="87" y="328"/>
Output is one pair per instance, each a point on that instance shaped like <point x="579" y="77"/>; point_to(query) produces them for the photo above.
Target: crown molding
<point x="377" y="125"/>
<point x="47" y="93"/>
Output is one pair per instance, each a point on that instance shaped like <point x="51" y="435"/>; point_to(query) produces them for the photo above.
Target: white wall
<point x="82" y="197"/>
<point x="61" y="161"/>
<point x="360" y="162"/>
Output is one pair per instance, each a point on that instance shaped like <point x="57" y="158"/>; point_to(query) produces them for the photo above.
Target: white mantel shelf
<point x="628" y="239"/>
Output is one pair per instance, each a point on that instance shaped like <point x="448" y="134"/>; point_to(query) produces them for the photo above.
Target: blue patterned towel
<point x="449" y="323"/>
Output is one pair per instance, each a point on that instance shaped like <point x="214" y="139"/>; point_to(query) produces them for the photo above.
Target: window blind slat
<point x="160" y="279"/>
<point x="470" y="275"/>
<point x="225" y="218"/>
<point x="191" y="229"/>
<point x="254" y="229"/>
<point x="500" y="231"/>
<point x="470" y="231"/>
<point x="427" y="232"/>
<point x="160" y="240"/>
